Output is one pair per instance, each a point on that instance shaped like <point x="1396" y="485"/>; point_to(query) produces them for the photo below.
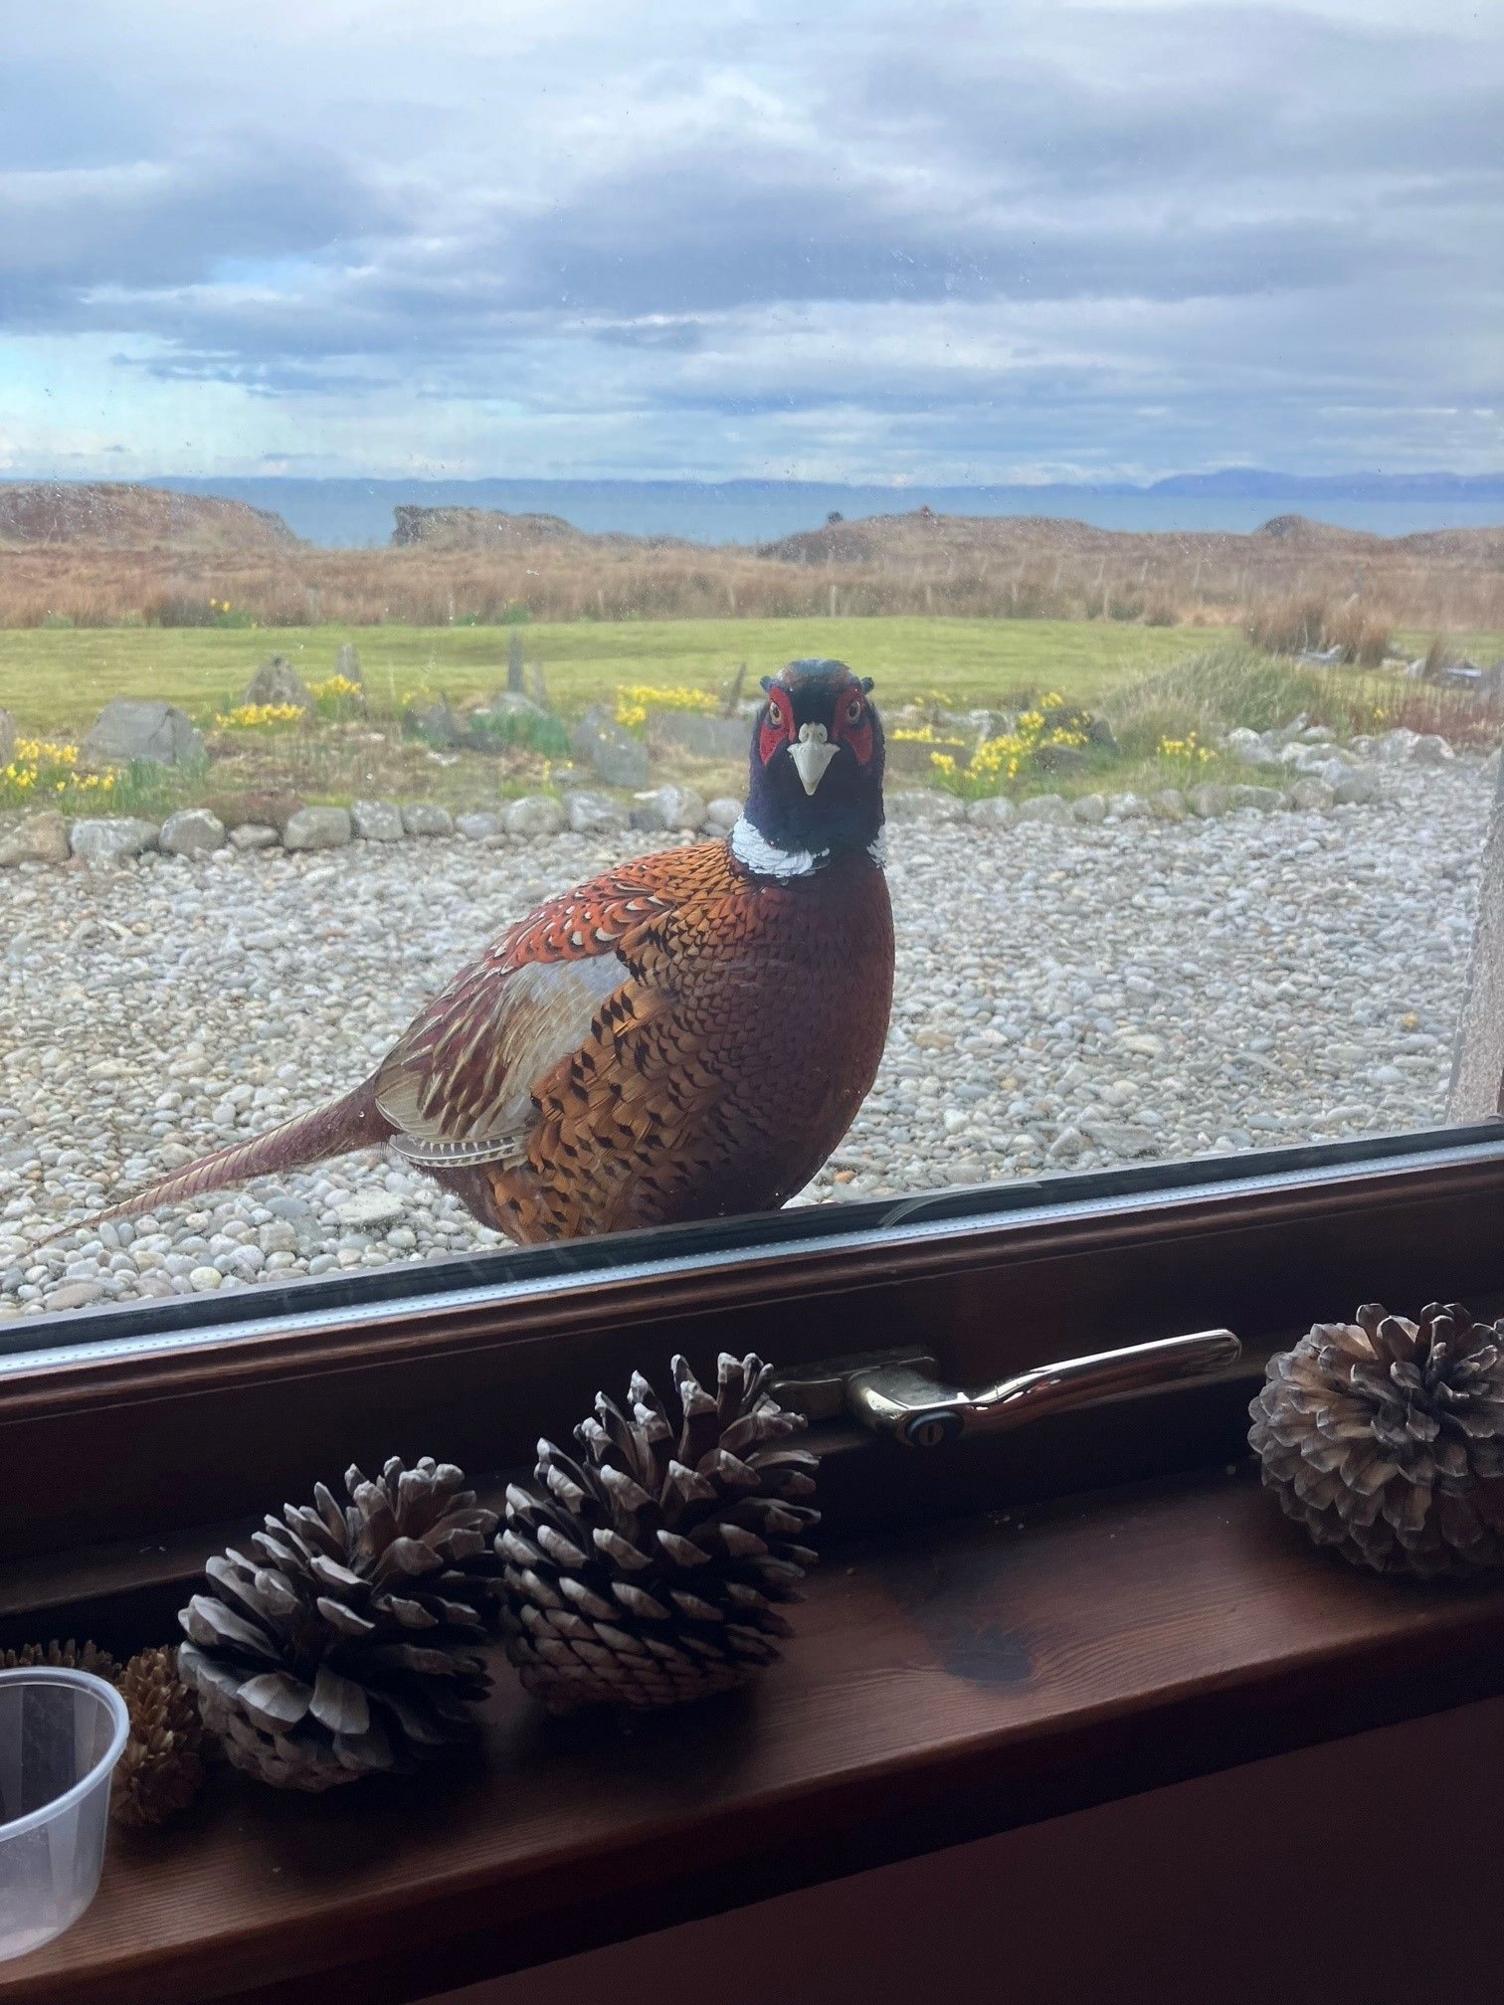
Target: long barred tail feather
<point x="334" y="1130"/>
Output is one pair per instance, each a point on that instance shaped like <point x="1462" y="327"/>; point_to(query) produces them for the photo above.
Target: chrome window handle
<point x="904" y="1401"/>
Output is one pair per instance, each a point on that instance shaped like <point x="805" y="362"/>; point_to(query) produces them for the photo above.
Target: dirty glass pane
<point x="426" y="443"/>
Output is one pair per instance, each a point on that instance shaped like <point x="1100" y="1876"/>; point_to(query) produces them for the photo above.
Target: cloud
<point x="895" y="234"/>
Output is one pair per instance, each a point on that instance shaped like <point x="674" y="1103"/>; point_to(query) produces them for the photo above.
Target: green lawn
<point x="54" y="681"/>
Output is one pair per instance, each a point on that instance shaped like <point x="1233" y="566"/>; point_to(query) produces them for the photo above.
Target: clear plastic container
<point x="61" y="1734"/>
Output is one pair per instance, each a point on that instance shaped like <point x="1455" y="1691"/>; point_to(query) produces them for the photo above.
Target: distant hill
<point x="495" y="529"/>
<point x="111" y="515"/>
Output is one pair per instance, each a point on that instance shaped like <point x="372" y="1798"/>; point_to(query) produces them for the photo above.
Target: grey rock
<point x="924" y="804"/>
<point x="1044" y="808"/>
<point x="1122" y="1138"/>
<point x="533" y="815"/>
<point x="677" y="809"/>
<point x="1430" y="749"/>
<point x="1357" y="789"/>
<point x="723" y="738"/>
<point x="1060" y="759"/>
<point x="1089" y="808"/>
<point x="609" y="749"/>
<point x="435" y="723"/>
<point x="480" y="825"/>
<point x="1264" y="799"/>
<point x="74" y="1295"/>
<point x="130" y="729"/>
<point x="1309" y="793"/>
<point x="317" y="828"/>
<point x="192" y="832"/>
<point x="1128" y="807"/>
<point x="722" y="815"/>
<point x="369" y="1210"/>
<point x="40" y="838"/>
<point x="1319" y="734"/>
<point x="1208" y="800"/>
<point x="376" y="821"/>
<point x="1488" y="772"/>
<point x="254" y="835"/>
<point x="594" y="814"/>
<point x="114" y="840"/>
<point x="277" y="681"/>
<point x="1394" y="746"/>
<point x="1168" y="804"/>
<point x="996" y="811"/>
<point x="1249" y="748"/>
<point x="427" y="818"/>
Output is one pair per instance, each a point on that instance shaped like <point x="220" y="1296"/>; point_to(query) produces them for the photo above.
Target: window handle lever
<point x="904" y="1401"/>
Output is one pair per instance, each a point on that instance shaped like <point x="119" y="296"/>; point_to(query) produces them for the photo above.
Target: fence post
<point x="514" y="661"/>
<point x="1477" y="1089"/>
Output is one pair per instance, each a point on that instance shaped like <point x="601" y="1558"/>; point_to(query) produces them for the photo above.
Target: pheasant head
<point x="815" y="790"/>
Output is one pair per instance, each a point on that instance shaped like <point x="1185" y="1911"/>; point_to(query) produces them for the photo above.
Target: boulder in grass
<point x="254" y="835"/>
<point x="723" y="814"/>
<point x="670" y="809"/>
<point x="347" y="663"/>
<point x="610" y="750"/>
<point x="132" y="729"/>
<point x="7" y="737"/>
<point x="993" y="811"/>
<point x="277" y="681"/>
<point x="1044" y="808"/>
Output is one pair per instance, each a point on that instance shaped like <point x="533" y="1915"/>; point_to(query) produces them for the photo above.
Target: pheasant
<point x="688" y="1035"/>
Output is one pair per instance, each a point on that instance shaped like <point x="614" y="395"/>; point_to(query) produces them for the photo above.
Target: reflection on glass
<point x="401" y="529"/>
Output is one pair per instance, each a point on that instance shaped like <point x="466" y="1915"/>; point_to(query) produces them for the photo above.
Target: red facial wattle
<point x="777" y="728"/>
<point x="853" y="725"/>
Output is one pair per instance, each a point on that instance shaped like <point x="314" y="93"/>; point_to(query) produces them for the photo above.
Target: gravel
<point x="1070" y="994"/>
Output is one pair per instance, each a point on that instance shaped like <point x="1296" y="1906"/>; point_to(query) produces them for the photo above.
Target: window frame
<point x="210" y="1422"/>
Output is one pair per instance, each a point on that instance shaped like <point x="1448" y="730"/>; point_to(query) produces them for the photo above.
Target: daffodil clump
<point x="914" y="734"/>
<point x="1187" y="755"/>
<point x="224" y="614"/>
<point x="337" y="696"/>
<point x="635" y="699"/>
<point x="997" y="762"/>
<point x="257" y="716"/>
<point x="42" y="773"/>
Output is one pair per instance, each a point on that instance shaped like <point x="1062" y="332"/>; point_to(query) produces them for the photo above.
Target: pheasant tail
<point x="334" y="1130"/>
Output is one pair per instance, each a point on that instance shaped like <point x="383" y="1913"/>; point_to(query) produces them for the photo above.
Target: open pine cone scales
<point x="646" y="1572"/>
<point x="348" y="1643"/>
<point x="1385" y="1438"/>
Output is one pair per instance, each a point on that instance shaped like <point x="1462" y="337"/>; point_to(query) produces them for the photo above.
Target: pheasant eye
<point x="775" y="716"/>
<point x="853" y="710"/>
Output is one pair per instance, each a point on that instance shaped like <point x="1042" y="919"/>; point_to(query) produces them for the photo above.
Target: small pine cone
<point x="69" y="1656"/>
<point x="348" y="1643"/>
<point x="1385" y="1439"/>
<point x="645" y="1573"/>
<point x="162" y="1768"/>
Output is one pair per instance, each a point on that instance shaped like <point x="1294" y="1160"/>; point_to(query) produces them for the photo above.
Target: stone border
<point x="1322" y="776"/>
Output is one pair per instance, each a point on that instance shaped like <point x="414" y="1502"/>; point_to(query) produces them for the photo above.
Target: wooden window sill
<point x="963" y="1679"/>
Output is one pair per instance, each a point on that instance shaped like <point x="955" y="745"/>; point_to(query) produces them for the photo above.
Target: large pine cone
<point x="1385" y="1438"/>
<point x="348" y="1644"/>
<point x="645" y="1574"/>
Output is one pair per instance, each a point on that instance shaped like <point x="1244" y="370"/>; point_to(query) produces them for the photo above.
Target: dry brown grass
<point x="1298" y="587"/>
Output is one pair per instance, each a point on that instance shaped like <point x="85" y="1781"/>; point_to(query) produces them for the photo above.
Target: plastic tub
<point x="61" y="1734"/>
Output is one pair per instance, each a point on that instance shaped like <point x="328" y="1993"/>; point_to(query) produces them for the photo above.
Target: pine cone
<point x="645" y="1574"/>
<point x="69" y="1656"/>
<point x="348" y="1643"/>
<point x="161" y="1769"/>
<point x="1385" y="1438"/>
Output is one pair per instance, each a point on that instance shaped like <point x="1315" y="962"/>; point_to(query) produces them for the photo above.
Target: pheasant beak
<point x="812" y="754"/>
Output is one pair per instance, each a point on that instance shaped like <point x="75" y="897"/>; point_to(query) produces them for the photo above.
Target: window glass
<point x="427" y="447"/>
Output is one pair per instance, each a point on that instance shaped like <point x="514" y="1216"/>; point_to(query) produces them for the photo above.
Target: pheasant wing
<point x="458" y="1086"/>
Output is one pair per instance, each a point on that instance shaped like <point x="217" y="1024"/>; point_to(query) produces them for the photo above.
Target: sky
<point x="659" y="238"/>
